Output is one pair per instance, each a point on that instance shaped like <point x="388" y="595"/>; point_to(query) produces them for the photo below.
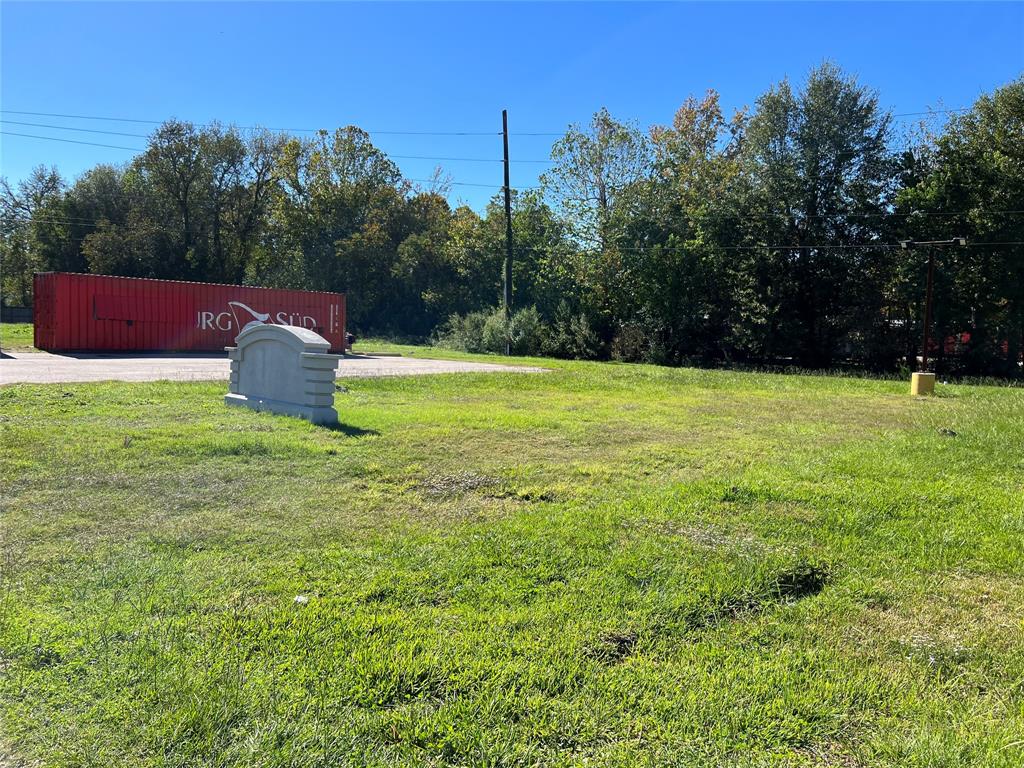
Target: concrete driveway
<point x="46" y="368"/>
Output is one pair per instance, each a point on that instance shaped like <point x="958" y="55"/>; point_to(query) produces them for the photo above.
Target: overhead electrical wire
<point x="932" y="112"/>
<point x="55" y="219"/>
<point x="383" y="132"/>
<point x="245" y="127"/>
<point x="77" y="130"/>
<point x="443" y="182"/>
<point x="784" y="247"/>
<point x="77" y="117"/>
<point x="631" y="249"/>
<point x="464" y="159"/>
<point x="70" y="141"/>
<point x="135" y="149"/>
<point x="145" y="136"/>
<point x="883" y="214"/>
<point x="746" y="218"/>
<point x="420" y="157"/>
<point x="65" y="219"/>
<point x="895" y="115"/>
<point x="309" y="130"/>
<point x="400" y="157"/>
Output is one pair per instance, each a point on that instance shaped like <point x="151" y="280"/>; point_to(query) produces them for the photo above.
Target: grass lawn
<point x="16" y="336"/>
<point x="601" y="565"/>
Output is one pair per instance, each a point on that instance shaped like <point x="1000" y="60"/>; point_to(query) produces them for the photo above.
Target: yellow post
<point x="922" y="383"/>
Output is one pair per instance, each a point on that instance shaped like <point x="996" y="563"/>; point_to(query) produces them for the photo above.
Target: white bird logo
<point x="261" y="317"/>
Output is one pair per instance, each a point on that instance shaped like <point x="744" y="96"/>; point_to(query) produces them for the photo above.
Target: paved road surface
<point x="45" y="368"/>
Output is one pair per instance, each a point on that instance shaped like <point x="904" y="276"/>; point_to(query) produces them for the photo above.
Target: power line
<point x="64" y="219"/>
<point x="77" y="130"/>
<point x="441" y="183"/>
<point x="1008" y="242"/>
<point x="78" y="117"/>
<point x="783" y="247"/>
<point x="932" y="112"/>
<point x="382" y="132"/>
<point x="822" y="247"/>
<point x="135" y="149"/>
<point x="942" y="213"/>
<point x="70" y="141"/>
<point x="246" y="127"/>
<point x="474" y="184"/>
<point x="896" y="114"/>
<point x="632" y="249"/>
<point x="59" y="219"/>
<point x="149" y="224"/>
<point x="144" y="136"/>
<point x="746" y="218"/>
<point x="47" y="220"/>
<point x="463" y="159"/>
<point x="885" y="214"/>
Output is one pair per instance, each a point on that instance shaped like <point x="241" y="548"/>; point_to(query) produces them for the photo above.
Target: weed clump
<point x="802" y="580"/>
<point x="612" y="647"/>
<point x="454" y="484"/>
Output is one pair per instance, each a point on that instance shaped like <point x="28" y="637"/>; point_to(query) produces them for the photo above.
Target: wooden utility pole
<point x="929" y="289"/>
<point x="508" y="236"/>
<point x="922" y="382"/>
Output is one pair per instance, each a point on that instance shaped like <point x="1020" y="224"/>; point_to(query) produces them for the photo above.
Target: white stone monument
<point x="283" y="369"/>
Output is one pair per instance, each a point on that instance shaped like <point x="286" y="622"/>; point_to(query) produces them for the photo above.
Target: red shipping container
<point x="74" y="312"/>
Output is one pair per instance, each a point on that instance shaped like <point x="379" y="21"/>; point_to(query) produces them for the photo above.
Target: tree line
<point x="768" y="236"/>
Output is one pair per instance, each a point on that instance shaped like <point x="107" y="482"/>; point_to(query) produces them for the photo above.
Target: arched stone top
<point x="299" y="339"/>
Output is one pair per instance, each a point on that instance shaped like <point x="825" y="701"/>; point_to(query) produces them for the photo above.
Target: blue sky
<point x="454" y="66"/>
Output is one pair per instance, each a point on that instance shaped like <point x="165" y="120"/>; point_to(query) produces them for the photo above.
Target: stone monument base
<point x="283" y="369"/>
<point x="322" y="415"/>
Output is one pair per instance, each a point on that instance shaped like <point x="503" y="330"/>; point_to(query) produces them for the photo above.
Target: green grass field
<point x="16" y="336"/>
<point x="602" y="565"/>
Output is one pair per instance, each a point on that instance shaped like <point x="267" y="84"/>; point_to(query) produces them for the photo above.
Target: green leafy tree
<point x="173" y="171"/>
<point x="970" y="182"/>
<point x="592" y="168"/>
<point x="678" y="287"/>
<point x="21" y="224"/>
<point x="545" y="263"/>
<point x="758" y="237"/>
<point x="589" y="183"/>
<point x="820" y="173"/>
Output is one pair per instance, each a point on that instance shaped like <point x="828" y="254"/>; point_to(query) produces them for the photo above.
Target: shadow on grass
<point x="350" y="431"/>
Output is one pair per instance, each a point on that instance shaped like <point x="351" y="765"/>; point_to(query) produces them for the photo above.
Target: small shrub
<point x="488" y="332"/>
<point x="526" y="332"/>
<point x="494" y="332"/>
<point x="631" y="344"/>
<point x="571" y="337"/>
<point x="464" y="333"/>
